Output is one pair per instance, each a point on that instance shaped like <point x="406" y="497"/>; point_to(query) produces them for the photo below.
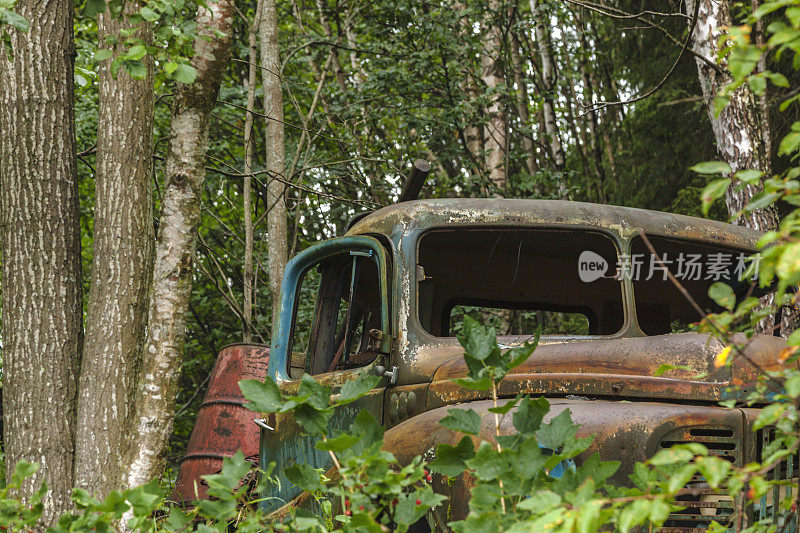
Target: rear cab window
<point x="518" y="280"/>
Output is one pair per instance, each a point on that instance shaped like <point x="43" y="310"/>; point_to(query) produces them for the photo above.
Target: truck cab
<point x="390" y="296"/>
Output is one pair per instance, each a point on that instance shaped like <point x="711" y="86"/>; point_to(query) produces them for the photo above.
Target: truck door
<point x="333" y="323"/>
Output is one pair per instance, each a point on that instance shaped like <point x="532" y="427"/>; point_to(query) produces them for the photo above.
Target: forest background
<point x="311" y="112"/>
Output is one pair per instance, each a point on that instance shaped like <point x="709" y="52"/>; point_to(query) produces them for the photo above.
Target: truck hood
<point x="625" y="368"/>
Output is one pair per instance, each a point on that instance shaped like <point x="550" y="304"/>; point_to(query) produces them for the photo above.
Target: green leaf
<point x="589" y="517"/>
<point x="762" y="200"/>
<point x="136" y="69"/>
<point x="789" y="261"/>
<point x="148" y="14"/>
<point x="487" y="463"/>
<point x="465" y="421"/>
<point x="679" y="478"/>
<point x="712" y="167"/>
<point x="95" y="7"/>
<point x="102" y="54"/>
<point x="540" y="501"/>
<point x="263" y="397"/>
<point x="483" y="383"/>
<point x="528" y="460"/>
<point x="144" y="499"/>
<point x="304" y="477"/>
<point x="521" y="354"/>
<point x="369" y="431"/>
<point x="789" y="144"/>
<point x="135" y="53"/>
<point x="713" y="191"/>
<point x="233" y="470"/>
<point x="314" y="421"/>
<point x="478" y="342"/>
<point x="177" y="520"/>
<point x="317" y="395"/>
<point x="451" y="460"/>
<point x="792" y="386"/>
<point x="723" y="295"/>
<point x="633" y="515"/>
<point x="659" y="512"/>
<point x="670" y="456"/>
<point x="14" y="19"/>
<point x="769" y="415"/>
<point x="338" y="444"/>
<point x="557" y="431"/>
<point x="357" y="388"/>
<point x="506" y="407"/>
<point x="528" y="416"/>
<point x="751" y="177"/>
<point x="184" y="74"/>
<point x="713" y="469"/>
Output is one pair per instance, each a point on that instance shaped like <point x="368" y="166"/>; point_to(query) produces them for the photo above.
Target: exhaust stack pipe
<point x="411" y="189"/>
<point x="413" y="186"/>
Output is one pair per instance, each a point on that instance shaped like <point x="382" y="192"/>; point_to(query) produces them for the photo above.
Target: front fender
<point x="628" y="432"/>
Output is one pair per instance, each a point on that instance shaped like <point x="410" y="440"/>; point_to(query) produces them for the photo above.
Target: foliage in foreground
<point x="526" y="481"/>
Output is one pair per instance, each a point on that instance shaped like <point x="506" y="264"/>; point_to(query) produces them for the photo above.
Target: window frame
<point x="282" y="339"/>
<point x="426" y="337"/>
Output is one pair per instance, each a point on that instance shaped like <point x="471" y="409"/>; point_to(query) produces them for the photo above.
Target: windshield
<point x="518" y="280"/>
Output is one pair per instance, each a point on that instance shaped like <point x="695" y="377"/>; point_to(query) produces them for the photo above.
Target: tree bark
<point x="41" y="260"/>
<point x="548" y="91"/>
<point x="274" y="143"/>
<point x="522" y="107"/>
<point x="121" y="270"/>
<point x="495" y="138"/>
<point x="588" y="102"/>
<point x="249" y="277"/>
<point x="175" y="246"/>
<point x="737" y="129"/>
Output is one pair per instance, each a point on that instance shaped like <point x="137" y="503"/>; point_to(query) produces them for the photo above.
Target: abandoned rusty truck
<point x="389" y="297"/>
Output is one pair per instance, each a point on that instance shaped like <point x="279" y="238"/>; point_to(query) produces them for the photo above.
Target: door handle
<point x="391" y="374"/>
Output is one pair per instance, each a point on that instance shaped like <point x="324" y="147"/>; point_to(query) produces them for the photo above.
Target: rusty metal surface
<point x="623" y="431"/>
<point x="613" y="376"/>
<point x="622" y="368"/>
<point x="510" y="212"/>
<point x="224" y="426"/>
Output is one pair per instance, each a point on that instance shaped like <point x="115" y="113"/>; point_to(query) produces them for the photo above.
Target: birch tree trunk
<point x="548" y="91"/>
<point x="496" y="129"/>
<point x="175" y="246"/>
<point x="121" y="270"/>
<point x="273" y="141"/>
<point x="41" y="261"/>
<point x="737" y="129"/>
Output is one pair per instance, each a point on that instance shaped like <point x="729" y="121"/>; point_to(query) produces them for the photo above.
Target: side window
<point x="337" y="315"/>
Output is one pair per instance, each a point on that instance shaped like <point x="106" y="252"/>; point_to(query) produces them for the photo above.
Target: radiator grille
<point x="703" y="504"/>
<point x="787" y="469"/>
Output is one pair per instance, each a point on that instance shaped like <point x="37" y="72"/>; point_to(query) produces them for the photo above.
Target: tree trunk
<point x="522" y="107"/>
<point x="737" y="129"/>
<point x="248" y="277"/>
<point x="175" y="246"/>
<point x="41" y="258"/>
<point x="763" y="100"/>
<point x="273" y="141"/>
<point x="121" y="270"/>
<point x="496" y="129"/>
<point x="548" y="91"/>
<point x="588" y="102"/>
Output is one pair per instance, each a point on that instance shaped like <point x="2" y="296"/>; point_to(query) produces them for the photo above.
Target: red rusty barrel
<point x="224" y="426"/>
